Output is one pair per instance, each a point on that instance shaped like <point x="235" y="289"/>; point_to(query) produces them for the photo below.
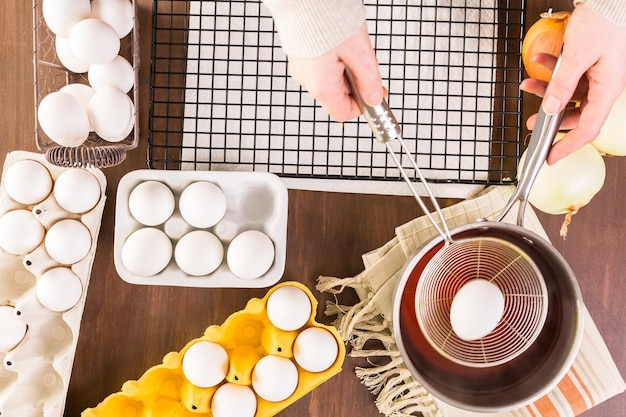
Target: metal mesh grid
<point x="221" y="96"/>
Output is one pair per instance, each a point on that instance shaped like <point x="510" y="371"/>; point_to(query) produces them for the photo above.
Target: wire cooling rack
<point x="222" y="98"/>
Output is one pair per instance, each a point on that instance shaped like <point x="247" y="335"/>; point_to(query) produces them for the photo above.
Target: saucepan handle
<point x="541" y="139"/>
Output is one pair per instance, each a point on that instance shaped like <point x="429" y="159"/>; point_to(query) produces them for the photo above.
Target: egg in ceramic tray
<point x="86" y="67"/>
<point x="49" y="224"/>
<point x="246" y="367"/>
<point x="201" y="228"/>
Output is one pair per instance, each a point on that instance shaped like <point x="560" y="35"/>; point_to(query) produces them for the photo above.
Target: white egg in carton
<point x="201" y="228"/>
<point x="43" y="278"/>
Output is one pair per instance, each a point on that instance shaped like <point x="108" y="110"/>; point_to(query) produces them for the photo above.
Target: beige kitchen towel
<point x="593" y="378"/>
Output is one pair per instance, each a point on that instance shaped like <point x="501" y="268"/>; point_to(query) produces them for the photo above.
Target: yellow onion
<point x="612" y="137"/>
<point x="544" y="36"/>
<point x="569" y="184"/>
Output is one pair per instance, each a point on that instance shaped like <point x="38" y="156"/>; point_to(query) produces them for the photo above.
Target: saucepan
<point x="511" y="347"/>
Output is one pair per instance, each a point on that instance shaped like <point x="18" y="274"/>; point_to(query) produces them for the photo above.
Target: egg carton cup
<point x="247" y="335"/>
<point x="50" y="75"/>
<point x="254" y="201"/>
<point x="35" y="374"/>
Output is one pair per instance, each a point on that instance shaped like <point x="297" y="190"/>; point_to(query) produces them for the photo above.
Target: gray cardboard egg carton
<point x="35" y="374"/>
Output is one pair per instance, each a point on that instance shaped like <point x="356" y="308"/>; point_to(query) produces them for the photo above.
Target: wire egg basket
<point x="502" y="264"/>
<point x="50" y="75"/>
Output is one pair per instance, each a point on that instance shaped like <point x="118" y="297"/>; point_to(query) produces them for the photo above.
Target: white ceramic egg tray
<point x="35" y="374"/>
<point x="254" y="201"/>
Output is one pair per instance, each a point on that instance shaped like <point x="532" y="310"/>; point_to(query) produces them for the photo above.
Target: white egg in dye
<point x="12" y="329"/>
<point x="289" y="308"/>
<point x="77" y="190"/>
<point x="112" y="114"/>
<point x="61" y="15"/>
<point x="233" y="400"/>
<point x="151" y="202"/>
<point x="199" y="253"/>
<point x="67" y="57"/>
<point x="27" y="182"/>
<point x="117" y="73"/>
<point x="59" y="289"/>
<point x="205" y="364"/>
<point x="146" y="252"/>
<point x="202" y="204"/>
<point x="20" y="232"/>
<point x="63" y="118"/>
<point x="250" y="254"/>
<point x="94" y="41"/>
<point x="476" y="309"/>
<point x="315" y="349"/>
<point x="68" y="241"/>
<point x="117" y="13"/>
<point x="274" y="378"/>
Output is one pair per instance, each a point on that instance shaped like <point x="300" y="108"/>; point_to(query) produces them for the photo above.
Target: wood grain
<point x="128" y="328"/>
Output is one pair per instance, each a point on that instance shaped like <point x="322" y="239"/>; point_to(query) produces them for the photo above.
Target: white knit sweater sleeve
<point x="612" y="10"/>
<point x="310" y="28"/>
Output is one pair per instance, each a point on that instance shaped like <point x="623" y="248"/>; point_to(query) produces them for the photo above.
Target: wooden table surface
<point x="128" y="328"/>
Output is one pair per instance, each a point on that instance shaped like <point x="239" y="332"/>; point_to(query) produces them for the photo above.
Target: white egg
<point x="112" y="114"/>
<point x="116" y="73"/>
<point x="476" y="309"/>
<point x="202" y="204"/>
<point x="289" y="308"/>
<point x="82" y="92"/>
<point x="12" y="329"/>
<point x="315" y="349"/>
<point x="63" y="118"/>
<point x="274" y="378"/>
<point x="146" y="252"/>
<point x="59" y="289"/>
<point x="205" y="364"/>
<point x="68" y="241"/>
<point x="61" y="15"/>
<point x="20" y="232"/>
<point x="233" y="400"/>
<point x="117" y="13"/>
<point x="77" y="190"/>
<point x="27" y="181"/>
<point x="250" y="254"/>
<point x="151" y="202"/>
<point x="94" y="41"/>
<point x="199" y="253"/>
<point x="67" y="57"/>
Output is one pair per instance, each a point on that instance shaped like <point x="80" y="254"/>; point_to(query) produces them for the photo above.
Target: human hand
<point x="592" y="71"/>
<point x="324" y="77"/>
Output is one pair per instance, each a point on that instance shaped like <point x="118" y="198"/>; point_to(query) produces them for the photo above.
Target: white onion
<point x="569" y="184"/>
<point x="612" y="137"/>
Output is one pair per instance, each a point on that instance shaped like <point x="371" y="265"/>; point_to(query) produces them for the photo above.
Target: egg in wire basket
<point x="110" y="130"/>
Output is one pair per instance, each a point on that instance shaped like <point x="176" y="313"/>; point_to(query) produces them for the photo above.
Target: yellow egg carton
<point x="247" y="336"/>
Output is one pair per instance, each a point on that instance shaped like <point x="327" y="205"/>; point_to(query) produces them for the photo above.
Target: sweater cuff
<point x="310" y="28"/>
<point x="612" y="10"/>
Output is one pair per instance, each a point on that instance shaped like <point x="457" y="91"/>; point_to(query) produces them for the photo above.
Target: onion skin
<point x="612" y="137"/>
<point x="544" y="36"/>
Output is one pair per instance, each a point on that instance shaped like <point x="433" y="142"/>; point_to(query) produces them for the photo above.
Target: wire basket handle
<point x="385" y="127"/>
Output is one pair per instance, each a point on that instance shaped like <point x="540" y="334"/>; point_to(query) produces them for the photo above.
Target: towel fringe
<point x="397" y="393"/>
<point x="334" y="285"/>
